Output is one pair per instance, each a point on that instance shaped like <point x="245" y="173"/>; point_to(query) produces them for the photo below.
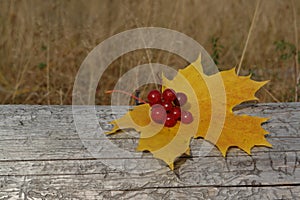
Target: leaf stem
<point x="127" y="93"/>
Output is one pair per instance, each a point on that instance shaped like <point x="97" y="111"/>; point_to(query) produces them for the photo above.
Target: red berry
<point x="154" y="97"/>
<point x="168" y="106"/>
<point x="158" y="114"/>
<point x="170" y="121"/>
<point x="169" y="95"/>
<point x="186" y="117"/>
<point x="176" y="112"/>
<point x="181" y="99"/>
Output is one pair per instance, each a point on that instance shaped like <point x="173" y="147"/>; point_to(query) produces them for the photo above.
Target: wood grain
<point x="43" y="157"/>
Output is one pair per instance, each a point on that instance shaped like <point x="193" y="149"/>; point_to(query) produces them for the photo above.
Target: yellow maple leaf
<point x="210" y="100"/>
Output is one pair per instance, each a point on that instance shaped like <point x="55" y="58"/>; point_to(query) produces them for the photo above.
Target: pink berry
<point x="170" y="121"/>
<point x="168" y="106"/>
<point x="186" y="117"/>
<point x="169" y="95"/>
<point x="181" y="99"/>
<point x="154" y="97"/>
<point x="158" y="114"/>
<point x="176" y="112"/>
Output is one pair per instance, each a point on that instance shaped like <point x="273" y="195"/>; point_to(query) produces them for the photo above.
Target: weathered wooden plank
<point x="90" y="187"/>
<point x="38" y="118"/>
<point x="32" y="149"/>
<point x="42" y="156"/>
<point x="46" y="142"/>
<point x="264" y="169"/>
<point x="53" y="135"/>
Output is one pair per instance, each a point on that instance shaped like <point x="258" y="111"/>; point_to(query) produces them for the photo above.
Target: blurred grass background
<point x="43" y="43"/>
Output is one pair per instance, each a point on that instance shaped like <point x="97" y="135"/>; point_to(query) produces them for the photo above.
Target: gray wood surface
<point x="42" y="156"/>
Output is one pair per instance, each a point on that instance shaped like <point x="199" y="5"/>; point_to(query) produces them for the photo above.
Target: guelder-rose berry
<point x="169" y="95"/>
<point x="186" y="117"/>
<point x="158" y="114"/>
<point x="170" y="121"/>
<point x="167" y="105"/>
<point x="154" y="97"/>
<point x="181" y="99"/>
<point x="176" y="112"/>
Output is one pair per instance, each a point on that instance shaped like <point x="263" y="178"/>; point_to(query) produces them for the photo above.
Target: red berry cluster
<point x="165" y="107"/>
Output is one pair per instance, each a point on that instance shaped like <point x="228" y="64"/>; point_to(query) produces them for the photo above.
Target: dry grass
<point x="43" y="43"/>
